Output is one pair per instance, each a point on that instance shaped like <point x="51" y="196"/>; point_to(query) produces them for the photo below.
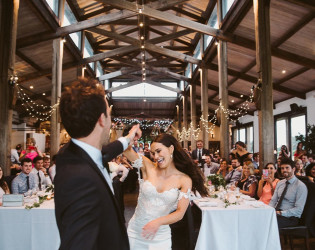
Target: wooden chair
<point x="306" y="229"/>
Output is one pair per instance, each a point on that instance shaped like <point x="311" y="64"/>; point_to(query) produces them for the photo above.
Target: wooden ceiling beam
<point x="120" y="72"/>
<point x="197" y="18"/>
<point x="168" y="17"/>
<point x="129" y="84"/>
<point x="174" y="48"/>
<point x="164" y="34"/>
<point x="105" y="19"/>
<point x="97" y="12"/>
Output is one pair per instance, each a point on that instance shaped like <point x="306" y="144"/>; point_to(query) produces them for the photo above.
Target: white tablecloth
<point x="238" y="227"/>
<point x="34" y="229"/>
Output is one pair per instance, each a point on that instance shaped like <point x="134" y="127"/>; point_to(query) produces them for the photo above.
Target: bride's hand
<point x="149" y="230"/>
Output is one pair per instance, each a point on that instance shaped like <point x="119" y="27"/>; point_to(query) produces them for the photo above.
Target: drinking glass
<point x="237" y="195"/>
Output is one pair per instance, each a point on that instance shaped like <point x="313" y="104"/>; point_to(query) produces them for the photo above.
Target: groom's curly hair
<point x="184" y="163"/>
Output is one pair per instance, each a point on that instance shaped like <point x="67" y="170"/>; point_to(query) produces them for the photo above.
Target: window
<point x="144" y="90"/>
<point x="68" y="20"/>
<point x="213" y="22"/>
<point x="99" y="70"/>
<point x="281" y="136"/>
<point x="244" y="133"/>
<point x="226" y="5"/>
<point x="298" y="126"/>
<point x="287" y="126"/>
<point x="53" y="4"/>
<point x="88" y="51"/>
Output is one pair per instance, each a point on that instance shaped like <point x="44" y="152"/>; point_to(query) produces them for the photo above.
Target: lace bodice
<point x="152" y="205"/>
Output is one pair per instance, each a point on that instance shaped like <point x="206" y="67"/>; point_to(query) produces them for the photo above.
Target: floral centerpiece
<point x="216" y="180"/>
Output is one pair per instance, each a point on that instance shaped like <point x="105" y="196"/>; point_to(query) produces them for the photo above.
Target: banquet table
<point x="247" y="226"/>
<point x="33" y="229"/>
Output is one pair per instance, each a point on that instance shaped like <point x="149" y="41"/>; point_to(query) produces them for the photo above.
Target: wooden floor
<point x="130" y="200"/>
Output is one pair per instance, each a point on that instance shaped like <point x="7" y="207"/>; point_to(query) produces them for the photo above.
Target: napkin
<point x="256" y="204"/>
<point x="208" y="204"/>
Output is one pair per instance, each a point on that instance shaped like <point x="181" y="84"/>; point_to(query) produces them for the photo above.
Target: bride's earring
<point x="171" y="156"/>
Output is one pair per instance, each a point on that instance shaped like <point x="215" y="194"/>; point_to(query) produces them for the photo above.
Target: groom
<point x="86" y="211"/>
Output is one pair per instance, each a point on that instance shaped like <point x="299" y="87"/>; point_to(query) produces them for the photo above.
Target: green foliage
<point x="216" y="180"/>
<point x="37" y="204"/>
<point x="309" y="140"/>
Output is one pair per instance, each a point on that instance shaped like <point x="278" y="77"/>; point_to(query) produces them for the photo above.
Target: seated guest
<point x="52" y="169"/>
<point x="256" y="160"/>
<point x="289" y="197"/>
<point x="4" y="189"/>
<point x="310" y="171"/>
<point x="311" y="158"/>
<point x="210" y="167"/>
<point x="284" y="152"/>
<point x="40" y="178"/>
<point x="248" y="182"/>
<point x="224" y="168"/>
<point x="299" y="151"/>
<point x="305" y="160"/>
<point x="146" y="151"/>
<point x="267" y="184"/>
<point x="236" y="172"/>
<point x="24" y="181"/>
<point x="15" y="154"/>
<point x="46" y="163"/>
<point x="299" y="171"/>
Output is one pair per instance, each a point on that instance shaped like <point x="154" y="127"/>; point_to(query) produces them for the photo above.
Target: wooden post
<point x="204" y="94"/>
<point x="80" y="68"/>
<point x="56" y="85"/>
<point x="204" y="105"/>
<point x="223" y="89"/>
<point x="193" y="115"/>
<point x="263" y="62"/>
<point x="8" y="30"/>
<point x="185" y="111"/>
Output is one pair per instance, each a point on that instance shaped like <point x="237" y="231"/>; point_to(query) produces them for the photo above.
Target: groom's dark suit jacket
<point x="87" y="214"/>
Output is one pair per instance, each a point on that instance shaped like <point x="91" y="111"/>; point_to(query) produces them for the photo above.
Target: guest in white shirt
<point x="15" y="154"/>
<point x="210" y="167"/>
<point x="24" y="181"/>
<point x="52" y="169"/>
<point x="4" y="189"/>
<point x="41" y="179"/>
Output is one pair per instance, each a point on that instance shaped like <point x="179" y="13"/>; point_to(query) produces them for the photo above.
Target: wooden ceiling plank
<point x="295" y="28"/>
<point x="164" y="34"/>
<point x="290" y="76"/>
<point x="189" y="14"/>
<point x="97" y="12"/>
<point x="309" y="4"/>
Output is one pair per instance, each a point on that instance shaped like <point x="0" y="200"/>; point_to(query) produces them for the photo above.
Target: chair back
<point x="183" y="232"/>
<point x="308" y="215"/>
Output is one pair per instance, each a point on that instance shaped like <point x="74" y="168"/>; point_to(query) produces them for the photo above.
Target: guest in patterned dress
<point x="248" y="182"/>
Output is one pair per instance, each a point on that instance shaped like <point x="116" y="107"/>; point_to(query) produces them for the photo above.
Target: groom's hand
<point x="135" y="133"/>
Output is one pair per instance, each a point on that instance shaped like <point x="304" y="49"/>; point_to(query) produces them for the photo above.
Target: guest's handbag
<point x="13" y="200"/>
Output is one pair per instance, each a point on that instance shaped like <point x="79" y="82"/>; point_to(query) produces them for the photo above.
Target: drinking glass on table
<point x="237" y="195"/>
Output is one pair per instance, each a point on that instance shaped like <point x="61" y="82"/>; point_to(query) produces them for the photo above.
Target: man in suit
<point x="87" y="213"/>
<point x="198" y="155"/>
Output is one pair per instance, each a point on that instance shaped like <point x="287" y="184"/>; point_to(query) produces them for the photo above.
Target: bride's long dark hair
<point x="184" y="163"/>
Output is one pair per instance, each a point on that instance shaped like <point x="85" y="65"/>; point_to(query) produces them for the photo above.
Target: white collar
<point x="93" y="152"/>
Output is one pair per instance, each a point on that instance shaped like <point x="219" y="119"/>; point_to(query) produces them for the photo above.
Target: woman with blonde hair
<point x="248" y="182"/>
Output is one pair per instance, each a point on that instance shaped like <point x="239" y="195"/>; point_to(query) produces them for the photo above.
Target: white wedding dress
<point x="152" y="205"/>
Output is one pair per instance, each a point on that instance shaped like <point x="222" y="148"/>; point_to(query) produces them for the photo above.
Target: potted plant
<point x="308" y="140"/>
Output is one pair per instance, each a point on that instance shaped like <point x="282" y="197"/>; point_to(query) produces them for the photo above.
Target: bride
<point x="164" y="187"/>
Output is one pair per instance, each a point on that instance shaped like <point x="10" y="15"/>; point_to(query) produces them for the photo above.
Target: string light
<point x="39" y="111"/>
<point x="145" y="124"/>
